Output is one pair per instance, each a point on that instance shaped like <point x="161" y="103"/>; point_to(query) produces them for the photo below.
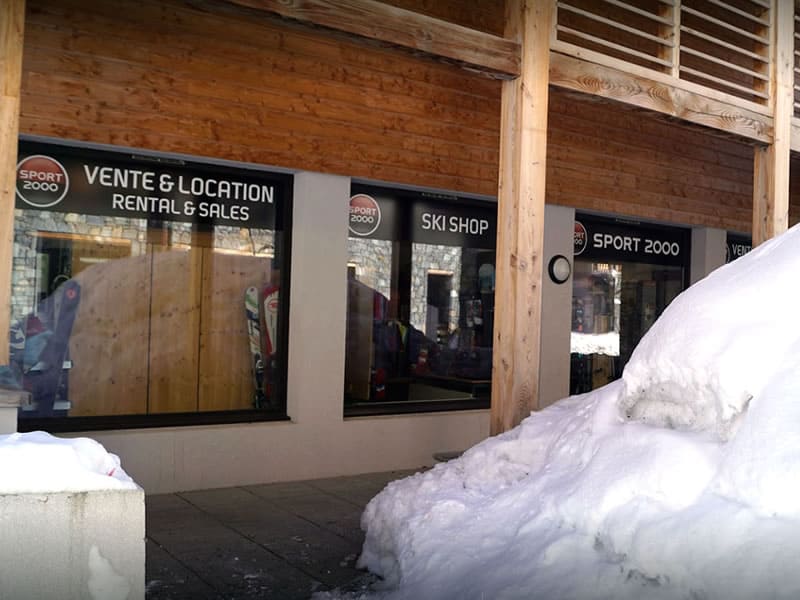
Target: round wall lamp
<point x="559" y="268"/>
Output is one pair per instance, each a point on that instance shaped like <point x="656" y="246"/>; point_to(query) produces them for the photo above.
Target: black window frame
<point x="401" y="232"/>
<point x="283" y="232"/>
<point x="642" y="251"/>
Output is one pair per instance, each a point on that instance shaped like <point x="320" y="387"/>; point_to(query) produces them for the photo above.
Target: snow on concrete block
<point x="10" y="401"/>
<point x="73" y="545"/>
<point x="71" y="521"/>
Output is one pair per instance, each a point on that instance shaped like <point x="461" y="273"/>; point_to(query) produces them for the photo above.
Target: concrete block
<point x="73" y="545"/>
<point x="10" y="402"/>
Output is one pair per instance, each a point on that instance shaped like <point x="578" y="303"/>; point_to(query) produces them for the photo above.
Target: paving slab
<point x="301" y="542"/>
<point x="242" y="569"/>
<point x="170" y="579"/>
<point x="327" y="512"/>
<point x="280" y="541"/>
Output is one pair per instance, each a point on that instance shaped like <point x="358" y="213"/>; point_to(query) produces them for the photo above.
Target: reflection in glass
<point x="419" y="324"/>
<point x="115" y="316"/>
<point x="613" y="306"/>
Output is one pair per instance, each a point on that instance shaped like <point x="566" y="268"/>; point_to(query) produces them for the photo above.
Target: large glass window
<point x="146" y="290"/>
<point x="625" y="275"/>
<point x="737" y="245"/>
<point x="420" y="300"/>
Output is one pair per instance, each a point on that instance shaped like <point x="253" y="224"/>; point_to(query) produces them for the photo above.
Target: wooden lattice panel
<point x="796" y="59"/>
<point x="726" y="46"/>
<point x="723" y="45"/>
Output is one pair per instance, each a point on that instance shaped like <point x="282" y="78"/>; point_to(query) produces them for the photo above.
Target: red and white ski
<point x="254" y="337"/>
<point x="270" y="316"/>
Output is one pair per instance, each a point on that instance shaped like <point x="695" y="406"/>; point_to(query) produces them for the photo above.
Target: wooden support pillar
<point x="771" y="163"/>
<point x="520" y="224"/>
<point x="12" y="20"/>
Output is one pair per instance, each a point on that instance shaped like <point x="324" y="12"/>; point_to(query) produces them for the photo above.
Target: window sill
<point x="406" y="407"/>
<point x="72" y="424"/>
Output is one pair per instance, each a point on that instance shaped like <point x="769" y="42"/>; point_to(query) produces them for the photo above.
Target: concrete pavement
<point x="280" y="541"/>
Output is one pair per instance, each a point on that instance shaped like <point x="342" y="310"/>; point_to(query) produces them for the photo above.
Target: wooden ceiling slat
<point x="490" y="54"/>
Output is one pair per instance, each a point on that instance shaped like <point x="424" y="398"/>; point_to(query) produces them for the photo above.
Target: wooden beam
<point x="639" y="90"/>
<point x="771" y="164"/>
<point x="12" y="21"/>
<point x="489" y="54"/>
<point x="520" y="223"/>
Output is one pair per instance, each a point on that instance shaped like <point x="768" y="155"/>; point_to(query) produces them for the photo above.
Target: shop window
<point x="146" y="291"/>
<point x="625" y="274"/>
<point x="737" y="245"/>
<point x="420" y="301"/>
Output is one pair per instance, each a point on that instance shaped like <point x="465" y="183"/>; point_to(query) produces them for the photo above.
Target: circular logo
<point x="365" y="215"/>
<point x="272" y="305"/>
<point x="41" y="181"/>
<point x="580" y="239"/>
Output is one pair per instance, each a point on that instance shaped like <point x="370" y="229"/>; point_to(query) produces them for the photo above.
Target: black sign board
<point x="374" y="214"/>
<point x="425" y="218"/>
<point x="619" y="240"/>
<point x="736" y="246"/>
<point x="122" y="184"/>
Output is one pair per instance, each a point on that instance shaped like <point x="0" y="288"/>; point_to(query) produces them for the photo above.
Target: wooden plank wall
<point x="611" y="158"/>
<point x="174" y="344"/>
<point x="163" y="333"/>
<point x="173" y="78"/>
<point x="225" y="381"/>
<point x="483" y="15"/>
<point x="109" y="341"/>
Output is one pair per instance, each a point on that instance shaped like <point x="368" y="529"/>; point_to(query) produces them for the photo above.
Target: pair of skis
<point x="262" y="315"/>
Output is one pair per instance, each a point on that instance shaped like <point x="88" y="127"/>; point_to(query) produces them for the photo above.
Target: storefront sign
<point x="365" y="215"/>
<point x="403" y="215"/>
<point x="373" y="213"/>
<point x="736" y="246"/>
<point x="580" y="238"/>
<point x="454" y="224"/>
<point x="118" y="184"/>
<point x="618" y="240"/>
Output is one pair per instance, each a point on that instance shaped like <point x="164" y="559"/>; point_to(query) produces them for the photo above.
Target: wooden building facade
<point x="663" y="112"/>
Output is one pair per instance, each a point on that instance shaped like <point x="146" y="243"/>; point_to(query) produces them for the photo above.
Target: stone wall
<point x="372" y="260"/>
<point x="443" y="259"/>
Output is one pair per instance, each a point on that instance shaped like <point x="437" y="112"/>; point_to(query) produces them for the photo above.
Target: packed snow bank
<point x="594" y="343"/>
<point x="719" y="343"/>
<point x="38" y="462"/>
<point x="680" y="481"/>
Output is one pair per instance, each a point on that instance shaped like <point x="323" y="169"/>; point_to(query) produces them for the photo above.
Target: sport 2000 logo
<point x="42" y="181"/>
<point x="365" y="215"/>
<point x="580" y="238"/>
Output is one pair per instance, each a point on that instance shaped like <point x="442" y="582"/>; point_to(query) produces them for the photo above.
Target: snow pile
<point x="720" y="343"/>
<point x="38" y="462"/>
<point x="588" y="499"/>
<point x="594" y="343"/>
